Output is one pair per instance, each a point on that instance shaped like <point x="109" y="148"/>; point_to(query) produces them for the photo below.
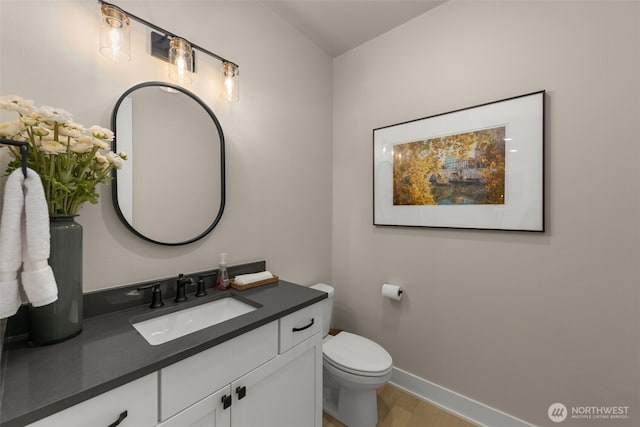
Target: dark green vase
<point x="61" y="319"/>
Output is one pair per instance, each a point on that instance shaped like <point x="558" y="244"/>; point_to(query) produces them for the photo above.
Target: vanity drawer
<point x="190" y="380"/>
<point x="300" y="325"/>
<point x="138" y="398"/>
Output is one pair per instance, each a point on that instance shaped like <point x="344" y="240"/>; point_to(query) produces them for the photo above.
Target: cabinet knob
<point x="119" y="420"/>
<point x="226" y="401"/>
<point x="241" y="391"/>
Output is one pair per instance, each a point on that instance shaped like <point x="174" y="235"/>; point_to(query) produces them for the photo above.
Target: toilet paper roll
<point x="392" y="291"/>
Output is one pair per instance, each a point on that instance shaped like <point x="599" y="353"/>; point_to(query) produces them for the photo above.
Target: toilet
<point x="354" y="367"/>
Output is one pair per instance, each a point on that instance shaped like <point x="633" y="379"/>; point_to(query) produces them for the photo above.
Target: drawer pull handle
<point x="304" y="327"/>
<point x="226" y="401"/>
<point x="119" y="420"/>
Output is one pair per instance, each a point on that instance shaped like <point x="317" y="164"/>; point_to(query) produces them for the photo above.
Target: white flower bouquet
<point x="70" y="159"/>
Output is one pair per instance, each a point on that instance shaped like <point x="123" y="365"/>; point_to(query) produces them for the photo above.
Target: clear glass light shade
<point x="231" y="82"/>
<point x="180" y="61"/>
<point x="115" y="40"/>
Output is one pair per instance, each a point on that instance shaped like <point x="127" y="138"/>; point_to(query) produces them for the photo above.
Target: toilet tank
<point x="327" y="306"/>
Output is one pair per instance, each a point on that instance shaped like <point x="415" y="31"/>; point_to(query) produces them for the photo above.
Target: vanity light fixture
<point x="231" y="81"/>
<point x="176" y="50"/>
<point x="181" y="61"/>
<point x="115" y="41"/>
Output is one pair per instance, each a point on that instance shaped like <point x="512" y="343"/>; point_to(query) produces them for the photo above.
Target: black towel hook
<point x="24" y="151"/>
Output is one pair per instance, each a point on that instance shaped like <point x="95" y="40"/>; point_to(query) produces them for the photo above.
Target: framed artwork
<point x="480" y="167"/>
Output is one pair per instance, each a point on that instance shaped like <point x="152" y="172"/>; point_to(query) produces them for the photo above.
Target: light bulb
<point x="115" y="43"/>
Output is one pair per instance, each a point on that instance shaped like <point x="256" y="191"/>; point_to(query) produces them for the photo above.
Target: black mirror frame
<point x="114" y="183"/>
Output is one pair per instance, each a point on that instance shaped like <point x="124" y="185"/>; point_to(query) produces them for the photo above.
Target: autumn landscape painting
<point x="460" y="169"/>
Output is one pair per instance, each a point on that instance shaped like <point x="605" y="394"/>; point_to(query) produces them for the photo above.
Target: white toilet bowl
<point x="354" y="367"/>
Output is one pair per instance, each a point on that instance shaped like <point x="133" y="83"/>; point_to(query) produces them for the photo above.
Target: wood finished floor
<point x="397" y="408"/>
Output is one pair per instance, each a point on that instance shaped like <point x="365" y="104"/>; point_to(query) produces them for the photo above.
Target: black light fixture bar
<point x="169" y="34"/>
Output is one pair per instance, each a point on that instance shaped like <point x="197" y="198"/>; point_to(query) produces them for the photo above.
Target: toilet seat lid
<point x="354" y="353"/>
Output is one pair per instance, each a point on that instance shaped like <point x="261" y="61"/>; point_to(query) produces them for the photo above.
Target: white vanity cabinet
<point x="284" y="388"/>
<point x="280" y="393"/>
<point x="268" y="376"/>
<point x="136" y="403"/>
<point x="191" y="380"/>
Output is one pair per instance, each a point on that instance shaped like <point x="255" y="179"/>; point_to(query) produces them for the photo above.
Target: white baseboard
<point x="453" y="402"/>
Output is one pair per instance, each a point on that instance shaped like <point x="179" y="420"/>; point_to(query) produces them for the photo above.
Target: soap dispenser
<point x="222" y="281"/>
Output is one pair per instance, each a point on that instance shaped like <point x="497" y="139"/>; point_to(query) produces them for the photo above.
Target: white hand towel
<point x="245" y="279"/>
<point x="38" y="281"/>
<point x="10" y="244"/>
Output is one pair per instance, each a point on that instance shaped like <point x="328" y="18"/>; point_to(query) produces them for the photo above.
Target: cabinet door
<point x="191" y="380"/>
<point x="209" y="412"/>
<point x="283" y="392"/>
<point x="136" y="403"/>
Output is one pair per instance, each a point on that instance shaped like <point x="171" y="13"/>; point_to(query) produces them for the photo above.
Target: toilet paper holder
<point x="393" y="292"/>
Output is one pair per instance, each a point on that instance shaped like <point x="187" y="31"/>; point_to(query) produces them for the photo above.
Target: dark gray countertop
<point x="39" y="381"/>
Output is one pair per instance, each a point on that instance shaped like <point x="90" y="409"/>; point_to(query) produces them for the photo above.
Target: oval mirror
<point x="171" y="190"/>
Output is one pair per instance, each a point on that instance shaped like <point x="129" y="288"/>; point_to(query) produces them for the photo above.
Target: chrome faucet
<point x="181" y="284"/>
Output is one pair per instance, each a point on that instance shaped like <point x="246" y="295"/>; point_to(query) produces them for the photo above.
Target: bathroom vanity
<point x="260" y="368"/>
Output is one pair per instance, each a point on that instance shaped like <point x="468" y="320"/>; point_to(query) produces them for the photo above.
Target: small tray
<point x="240" y="287"/>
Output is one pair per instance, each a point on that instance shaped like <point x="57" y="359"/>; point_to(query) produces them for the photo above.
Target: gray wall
<point x="278" y="138"/>
<point x="516" y="321"/>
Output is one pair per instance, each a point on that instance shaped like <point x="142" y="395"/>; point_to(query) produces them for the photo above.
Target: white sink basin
<point x="180" y="323"/>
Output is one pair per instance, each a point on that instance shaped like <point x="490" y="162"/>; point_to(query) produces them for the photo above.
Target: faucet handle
<point x="201" y="291"/>
<point x="156" y="294"/>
